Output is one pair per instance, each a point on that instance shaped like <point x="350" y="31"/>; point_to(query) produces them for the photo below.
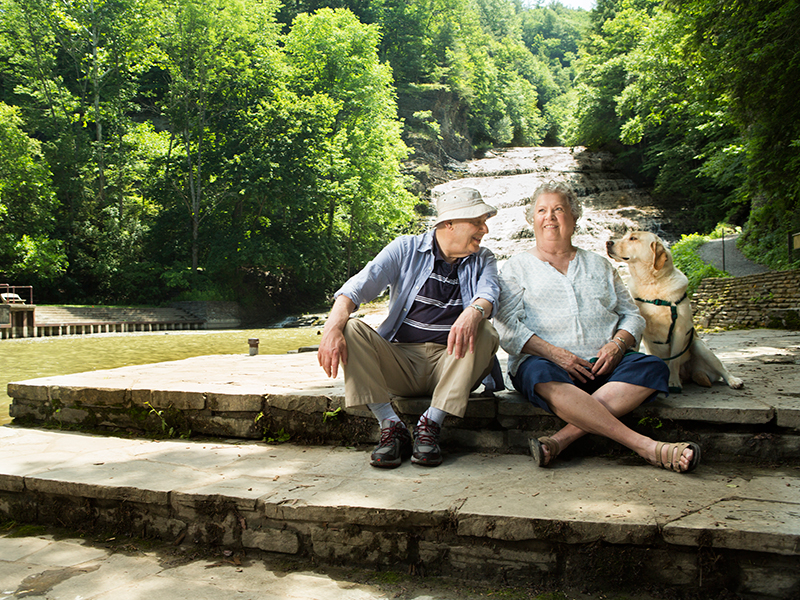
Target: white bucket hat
<point x="462" y="203"/>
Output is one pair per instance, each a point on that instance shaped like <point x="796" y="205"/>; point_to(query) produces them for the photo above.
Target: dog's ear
<point x="659" y="255"/>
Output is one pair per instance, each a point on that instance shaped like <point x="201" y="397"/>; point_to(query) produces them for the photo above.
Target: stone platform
<point x="289" y="397"/>
<point x="598" y="519"/>
<point x="586" y="523"/>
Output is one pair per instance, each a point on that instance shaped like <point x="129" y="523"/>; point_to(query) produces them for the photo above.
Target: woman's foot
<point x="544" y="450"/>
<point x="680" y="457"/>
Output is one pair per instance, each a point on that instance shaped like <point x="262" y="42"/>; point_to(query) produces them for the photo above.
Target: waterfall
<point x="506" y="178"/>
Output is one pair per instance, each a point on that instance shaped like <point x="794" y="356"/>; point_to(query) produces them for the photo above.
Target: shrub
<point x="686" y="258"/>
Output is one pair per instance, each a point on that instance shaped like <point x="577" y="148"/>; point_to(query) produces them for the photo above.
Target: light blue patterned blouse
<point x="579" y="311"/>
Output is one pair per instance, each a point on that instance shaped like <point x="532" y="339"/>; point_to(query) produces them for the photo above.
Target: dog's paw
<point x="735" y="383"/>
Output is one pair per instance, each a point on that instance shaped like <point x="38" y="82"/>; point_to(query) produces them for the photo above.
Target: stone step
<point x="282" y="397"/>
<point x="609" y="524"/>
<point x="58" y="315"/>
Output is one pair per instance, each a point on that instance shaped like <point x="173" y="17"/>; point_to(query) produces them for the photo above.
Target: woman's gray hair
<point x="563" y="190"/>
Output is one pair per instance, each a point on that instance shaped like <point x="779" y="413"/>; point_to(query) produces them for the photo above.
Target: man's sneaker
<point x="395" y="445"/>
<point x="426" y="443"/>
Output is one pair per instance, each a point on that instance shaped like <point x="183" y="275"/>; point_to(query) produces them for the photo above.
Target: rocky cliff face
<point x="508" y="177"/>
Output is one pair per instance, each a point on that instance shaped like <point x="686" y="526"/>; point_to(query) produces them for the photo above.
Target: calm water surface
<point x="29" y="358"/>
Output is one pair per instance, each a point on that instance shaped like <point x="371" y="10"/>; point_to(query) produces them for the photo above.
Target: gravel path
<point x="735" y="262"/>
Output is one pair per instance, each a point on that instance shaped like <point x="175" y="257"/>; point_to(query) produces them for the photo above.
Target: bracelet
<point x="624" y="343"/>
<point x="479" y="308"/>
<point x="621" y="348"/>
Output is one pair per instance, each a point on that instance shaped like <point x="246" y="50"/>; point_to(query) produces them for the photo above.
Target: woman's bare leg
<point x="599" y="414"/>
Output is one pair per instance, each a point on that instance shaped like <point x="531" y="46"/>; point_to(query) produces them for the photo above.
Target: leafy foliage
<point x="698" y="99"/>
<point x="252" y="149"/>
<point x="753" y="50"/>
<point x="686" y="258"/>
<point x="27" y="205"/>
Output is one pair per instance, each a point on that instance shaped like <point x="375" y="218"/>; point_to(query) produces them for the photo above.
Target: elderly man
<point x="436" y="338"/>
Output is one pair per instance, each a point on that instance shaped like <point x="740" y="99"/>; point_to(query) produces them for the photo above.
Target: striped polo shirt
<point x="436" y="306"/>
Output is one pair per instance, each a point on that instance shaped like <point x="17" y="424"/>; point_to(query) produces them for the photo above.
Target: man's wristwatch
<point x="479" y="308"/>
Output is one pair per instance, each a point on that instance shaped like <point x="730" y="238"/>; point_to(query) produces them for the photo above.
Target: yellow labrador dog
<point x="659" y="289"/>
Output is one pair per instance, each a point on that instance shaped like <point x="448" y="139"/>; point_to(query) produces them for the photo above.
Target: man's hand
<point x="332" y="351"/>
<point x="332" y="346"/>
<point x="463" y="332"/>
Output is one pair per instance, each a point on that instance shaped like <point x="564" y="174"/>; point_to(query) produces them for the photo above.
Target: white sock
<point x="436" y="415"/>
<point x="384" y="411"/>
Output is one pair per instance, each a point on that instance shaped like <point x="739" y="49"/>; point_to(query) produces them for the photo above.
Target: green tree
<point x="72" y="69"/>
<point x="617" y="27"/>
<point x="416" y="36"/>
<point x="28" y="206"/>
<point x="689" y="146"/>
<point x="217" y="56"/>
<point x="332" y="54"/>
<point x="753" y="54"/>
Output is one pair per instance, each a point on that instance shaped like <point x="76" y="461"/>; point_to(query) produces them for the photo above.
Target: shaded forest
<point x="153" y="150"/>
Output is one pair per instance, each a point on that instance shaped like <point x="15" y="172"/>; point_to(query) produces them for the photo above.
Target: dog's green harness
<point x="674" y="312"/>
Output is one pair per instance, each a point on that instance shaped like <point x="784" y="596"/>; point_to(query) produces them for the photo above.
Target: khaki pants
<point x="376" y="369"/>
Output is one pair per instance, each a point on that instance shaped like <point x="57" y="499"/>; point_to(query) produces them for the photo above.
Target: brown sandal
<point x="537" y="450"/>
<point x="671" y="450"/>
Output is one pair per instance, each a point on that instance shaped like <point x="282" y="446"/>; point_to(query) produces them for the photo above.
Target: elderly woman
<point x="568" y="324"/>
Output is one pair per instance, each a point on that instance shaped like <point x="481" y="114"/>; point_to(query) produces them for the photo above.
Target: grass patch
<point x="26" y="530"/>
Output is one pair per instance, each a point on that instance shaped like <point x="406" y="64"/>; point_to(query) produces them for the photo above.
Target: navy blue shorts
<point x="639" y="369"/>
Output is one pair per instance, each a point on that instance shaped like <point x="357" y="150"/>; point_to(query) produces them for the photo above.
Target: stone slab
<point x="107" y="575"/>
<point x="229" y="374"/>
<point x="504" y="497"/>
<point x="63" y="554"/>
<point x="741" y="524"/>
<point x="512" y="404"/>
<point x="16" y="549"/>
<point x="56" y="485"/>
<point x="480" y="510"/>
<point x="234" y="402"/>
<point x="765" y="359"/>
<point x="715" y="406"/>
<point x="787" y="410"/>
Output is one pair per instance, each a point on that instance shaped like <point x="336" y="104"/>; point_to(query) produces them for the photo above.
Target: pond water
<point x="30" y="358"/>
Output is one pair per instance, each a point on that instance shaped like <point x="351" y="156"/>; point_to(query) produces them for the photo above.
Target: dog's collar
<point x="674" y="310"/>
<point x="663" y="302"/>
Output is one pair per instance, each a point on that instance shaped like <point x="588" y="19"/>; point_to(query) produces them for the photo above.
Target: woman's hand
<point x="608" y="357"/>
<point x="577" y="367"/>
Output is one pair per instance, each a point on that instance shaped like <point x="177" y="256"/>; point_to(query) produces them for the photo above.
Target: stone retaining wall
<point x="763" y="300"/>
<point x="469" y="546"/>
<point x="217" y="315"/>
<point x="503" y="423"/>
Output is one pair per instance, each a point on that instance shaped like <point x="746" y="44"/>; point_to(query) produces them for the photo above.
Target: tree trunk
<point x="101" y="184"/>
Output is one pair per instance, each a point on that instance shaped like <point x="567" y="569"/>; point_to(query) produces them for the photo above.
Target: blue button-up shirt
<point x="405" y="265"/>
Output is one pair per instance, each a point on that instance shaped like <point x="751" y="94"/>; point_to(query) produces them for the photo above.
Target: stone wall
<point x="217" y="315"/>
<point x="455" y="543"/>
<point x="763" y="300"/>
